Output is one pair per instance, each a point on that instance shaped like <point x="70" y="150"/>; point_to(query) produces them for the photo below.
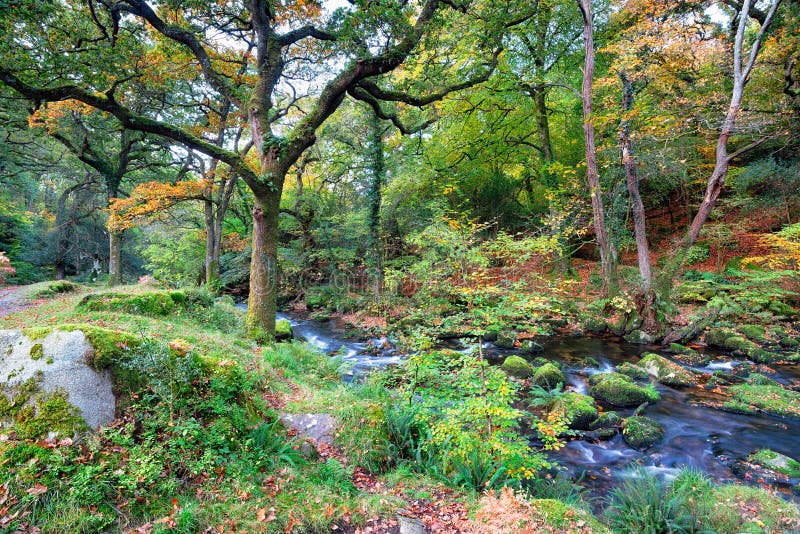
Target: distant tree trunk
<point x="741" y="75"/>
<point x="645" y="299"/>
<point x="375" y="192"/>
<point x="607" y="263"/>
<point x="114" y="261"/>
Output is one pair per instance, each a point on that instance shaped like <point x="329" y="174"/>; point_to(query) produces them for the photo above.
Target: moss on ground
<point x="155" y="303"/>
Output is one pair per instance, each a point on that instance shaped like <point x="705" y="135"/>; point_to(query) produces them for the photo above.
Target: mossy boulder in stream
<point x="606" y="420"/>
<point x="579" y="409"/>
<point x="739" y="345"/>
<point x="641" y="432"/>
<point x="548" y="376"/>
<point x="518" y="367"/>
<point x="665" y="371"/>
<point x="639" y="337"/>
<point x="771" y="399"/>
<point x="620" y="390"/>
<point x="632" y="370"/>
<point x="283" y="330"/>
<point x="777" y="462"/>
<point x="754" y="332"/>
<point x="506" y="339"/>
<point x="530" y="346"/>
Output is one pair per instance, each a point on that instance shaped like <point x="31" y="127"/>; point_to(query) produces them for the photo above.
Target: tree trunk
<point x="114" y="264"/>
<point x="375" y="192"/>
<point x="741" y="74"/>
<point x="592" y="174"/>
<point x="211" y="259"/>
<point x="262" y="302"/>
<point x="645" y="299"/>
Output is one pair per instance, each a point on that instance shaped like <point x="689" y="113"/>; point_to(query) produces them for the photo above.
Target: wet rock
<point x="606" y="420"/>
<point x="665" y="371"/>
<point x="754" y="332"/>
<point x="518" y="367"/>
<point x="506" y="339"/>
<point x="619" y="390"/>
<point x="641" y="432"/>
<point x="579" y="409"/>
<point x="590" y="362"/>
<point x="639" y="337"/>
<point x="530" y="346"/>
<point x="601" y="434"/>
<point x="548" y="376"/>
<point x="595" y="325"/>
<point x="632" y="370"/>
<point x="776" y="461"/>
<point x="283" y="330"/>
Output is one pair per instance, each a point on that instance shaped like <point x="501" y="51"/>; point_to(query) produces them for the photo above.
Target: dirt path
<point x="14" y="298"/>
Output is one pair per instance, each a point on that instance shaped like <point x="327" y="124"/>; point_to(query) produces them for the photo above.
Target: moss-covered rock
<point x="777" y="462"/>
<point x="774" y="400"/>
<point x="716" y="337"/>
<point x="109" y="346"/>
<point x="506" y="339"/>
<point x="632" y="370"/>
<point x="641" y="432"/>
<point x="51" y="414"/>
<point x="530" y="346"/>
<point x="283" y="330"/>
<point x="754" y="332"/>
<point x="579" y="409"/>
<point x="785" y="339"/>
<point x="639" y="337"/>
<point x="518" y="366"/>
<point x="665" y="371"/>
<point x="548" y="376"/>
<point x="595" y="325"/>
<point x="590" y="362"/>
<point x="757" y="379"/>
<point x="619" y="390"/>
<point x="606" y="420"/>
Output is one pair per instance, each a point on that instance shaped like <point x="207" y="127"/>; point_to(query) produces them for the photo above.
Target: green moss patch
<point x="155" y="303"/>
<point x="776" y="462"/>
<point x="37" y="332"/>
<point x="641" y="432"/>
<point x="579" y="409"/>
<point x="771" y="399"/>
<point x="518" y="366"/>
<point x="619" y="390"/>
<point x="665" y="371"/>
<point x="548" y="376"/>
<point x="56" y="288"/>
<point x="109" y="345"/>
<point x="283" y="330"/>
<point x="632" y="370"/>
<point x="37" y="351"/>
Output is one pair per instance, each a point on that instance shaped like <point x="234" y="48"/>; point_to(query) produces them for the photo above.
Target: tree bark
<point x="375" y="193"/>
<point x="607" y="266"/>
<point x="645" y="299"/>
<point x="262" y="302"/>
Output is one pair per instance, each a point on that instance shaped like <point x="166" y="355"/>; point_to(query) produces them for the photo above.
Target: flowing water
<point x="696" y="435"/>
